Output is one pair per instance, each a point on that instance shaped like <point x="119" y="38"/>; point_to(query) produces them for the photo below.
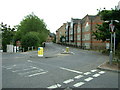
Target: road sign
<point x="112" y="27"/>
<point x="18" y="43"/>
<point x="40" y="51"/>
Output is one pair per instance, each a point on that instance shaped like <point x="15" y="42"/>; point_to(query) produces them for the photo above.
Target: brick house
<point x="60" y="32"/>
<point x="71" y="31"/>
<point x="89" y="23"/>
<point x="50" y="37"/>
<point x="79" y="32"/>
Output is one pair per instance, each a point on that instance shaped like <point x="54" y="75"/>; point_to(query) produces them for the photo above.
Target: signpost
<point x="111" y="28"/>
<point x="40" y="51"/>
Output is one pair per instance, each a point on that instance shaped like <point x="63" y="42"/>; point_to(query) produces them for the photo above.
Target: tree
<point x="7" y="35"/>
<point x="30" y="39"/>
<point x="31" y="23"/>
<point x="103" y="32"/>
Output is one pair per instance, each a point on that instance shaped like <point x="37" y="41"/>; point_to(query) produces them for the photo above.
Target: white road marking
<point x="78" y="84"/>
<point x="101" y="72"/>
<point x="68" y="81"/>
<point x="88" y="79"/>
<point x="96" y="75"/>
<point x="87" y="73"/>
<point x="25" y="69"/>
<point x="54" y="86"/>
<point x="16" y="66"/>
<point x="39" y="70"/>
<point x="93" y="70"/>
<point x="36" y="74"/>
<point x="70" y="70"/>
<point x="78" y="77"/>
<point x="10" y="67"/>
<point x="29" y="60"/>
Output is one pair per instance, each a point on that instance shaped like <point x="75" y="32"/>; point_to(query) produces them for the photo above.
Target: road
<point x="56" y="70"/>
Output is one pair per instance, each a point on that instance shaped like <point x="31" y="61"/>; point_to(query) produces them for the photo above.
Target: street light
<point x="112" y="31"/>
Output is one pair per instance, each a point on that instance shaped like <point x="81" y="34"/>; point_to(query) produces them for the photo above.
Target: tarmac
<point x="104" y="66"/>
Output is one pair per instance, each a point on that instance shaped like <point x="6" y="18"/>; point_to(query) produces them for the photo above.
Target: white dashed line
<point x="78" y="77"/>
<point x="70" y="70"/>
<point x="101" y="72"/>
<point x="36" y="74"/>
<point x="68" y="81"/>
<point x="24" y="69"/>
<point x="30" y="72"/>
<point x="10" y="67"/>
<point x="87" y="73"/>
<point x="96" y="75"/>
<point x="29" y="60"/>
<point x="93" y="70"/>
<point x="54" y="86"/>
<point x="88" y="79"/>
<point x="78" y="84"/>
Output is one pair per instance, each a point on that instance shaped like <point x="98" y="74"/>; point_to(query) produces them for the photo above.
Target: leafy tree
<point x="31" y="23"/>
<point x="30" y="39"/>
<point x="7" y="35"/>
<point x="103" y="32"/>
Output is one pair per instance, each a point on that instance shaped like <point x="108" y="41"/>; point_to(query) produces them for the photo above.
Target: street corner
<point x="107" y="67"/>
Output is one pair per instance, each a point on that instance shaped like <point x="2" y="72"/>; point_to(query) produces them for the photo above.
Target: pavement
<point x="106" y="66"/>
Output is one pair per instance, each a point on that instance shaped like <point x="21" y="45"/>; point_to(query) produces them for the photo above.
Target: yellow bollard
<point x="40" y="51"/>
<point x="67" y="49"/>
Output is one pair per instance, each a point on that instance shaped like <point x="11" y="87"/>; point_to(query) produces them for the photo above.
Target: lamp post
<point x="111" y="28"/>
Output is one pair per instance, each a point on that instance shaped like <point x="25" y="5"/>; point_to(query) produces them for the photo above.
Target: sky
<point x="53" y="12"/>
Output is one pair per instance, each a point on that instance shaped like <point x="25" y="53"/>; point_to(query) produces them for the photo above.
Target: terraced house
<point x="60" y="33"/>
<point x="78" y="32"/>
<point x="72" y="32"/>
<point x="89" y="25"/>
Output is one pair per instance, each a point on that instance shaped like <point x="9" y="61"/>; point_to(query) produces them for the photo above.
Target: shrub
<point x="118" y="51"/>
<point x="106" y="52"/>
<point x="30" y="39"/>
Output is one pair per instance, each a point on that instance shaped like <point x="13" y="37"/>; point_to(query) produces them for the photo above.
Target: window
<point x="78" y="37"/>
<point x="87" y="36"/>
<point x="87" y="27"/>
<point x="71" y="31"/>
<point x="71" y="38"/>
<point x="78" y="29"/>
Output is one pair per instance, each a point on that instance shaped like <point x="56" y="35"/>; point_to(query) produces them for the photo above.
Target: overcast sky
<point x="53" y="12"/>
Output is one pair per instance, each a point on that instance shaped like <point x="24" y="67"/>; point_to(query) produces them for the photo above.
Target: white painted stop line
<point x="87" y="73"/>
<point x="68" y="81"/>
<point x="78" y="84"/>
<point x="101" y="72"/>
<point x="93" y="70"/>
<point x="54" y="86"/>
<point x="88" y="79"/>
<point x="78" y="77"/>
<point x="96" y="75"/>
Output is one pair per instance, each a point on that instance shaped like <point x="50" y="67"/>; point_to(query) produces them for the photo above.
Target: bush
<point x="30" y="39"/>
<point x="118" y="51"/>
<point x="106" y="52"/>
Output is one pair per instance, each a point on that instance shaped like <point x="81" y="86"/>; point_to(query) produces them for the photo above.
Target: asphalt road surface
<point x="56" y="70"/>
